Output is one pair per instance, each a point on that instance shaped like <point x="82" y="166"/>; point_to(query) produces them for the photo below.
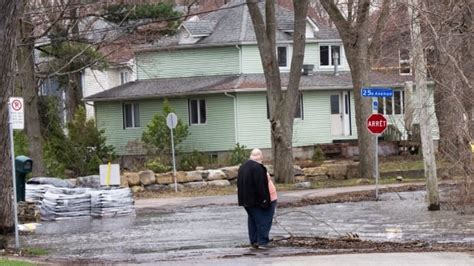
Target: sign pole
<point x="174" y="162"/>
<point x="172" y="122"/>
<point x="376" y="167"/>
<point x="375" y="111"/>
<point x="12" y="152"/>
<point x="379" y="125"/>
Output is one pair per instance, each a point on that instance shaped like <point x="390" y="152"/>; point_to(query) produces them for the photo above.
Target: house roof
<point x="175" y="87"/>
<point x="232" y="24"/>
<point x="201" y="27"/>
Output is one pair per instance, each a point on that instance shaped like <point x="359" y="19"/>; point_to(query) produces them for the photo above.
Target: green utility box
<point x="23" y="166"/>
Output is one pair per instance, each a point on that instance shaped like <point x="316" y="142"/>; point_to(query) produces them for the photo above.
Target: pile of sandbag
<point x="111" y="202"/>
<point x="35" y="193"/>
<point x="65" y="203"/>
<point x="59" y="199"/>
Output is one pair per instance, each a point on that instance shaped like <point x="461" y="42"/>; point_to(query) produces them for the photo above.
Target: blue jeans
<point x="260" y="223"/>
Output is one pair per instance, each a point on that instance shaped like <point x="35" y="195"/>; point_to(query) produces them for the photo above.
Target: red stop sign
<point x="376" y="124"/>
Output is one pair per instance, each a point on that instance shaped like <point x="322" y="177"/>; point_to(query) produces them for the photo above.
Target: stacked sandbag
<point x="112" y="202"/>
<point x="64" y="203"/>
<point x="35" y="193"/>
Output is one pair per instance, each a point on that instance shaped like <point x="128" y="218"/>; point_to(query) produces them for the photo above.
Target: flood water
<point x="220" y="231"/>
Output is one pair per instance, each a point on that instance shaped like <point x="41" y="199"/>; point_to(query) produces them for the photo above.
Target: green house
<point x="211" y="73"/>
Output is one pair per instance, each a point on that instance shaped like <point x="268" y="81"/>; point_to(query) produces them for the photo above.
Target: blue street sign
<point x="376" y="92"/>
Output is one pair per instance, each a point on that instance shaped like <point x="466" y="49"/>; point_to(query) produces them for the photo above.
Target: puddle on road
<point x="212" y="232"/>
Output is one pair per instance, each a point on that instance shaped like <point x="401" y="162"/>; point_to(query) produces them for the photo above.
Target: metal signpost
<point x="171" y="122"/>
<point x="376" y="124"/>
<point x="15" y="121"/>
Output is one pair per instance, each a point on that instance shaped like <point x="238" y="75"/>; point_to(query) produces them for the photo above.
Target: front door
<point x="340" y="114"/>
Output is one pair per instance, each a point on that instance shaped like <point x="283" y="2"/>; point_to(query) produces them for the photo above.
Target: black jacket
<point x="252" y="185"/>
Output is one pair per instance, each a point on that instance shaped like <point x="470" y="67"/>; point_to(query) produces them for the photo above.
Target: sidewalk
<point x="283" y="197"/>
<point x="372" y="259"/>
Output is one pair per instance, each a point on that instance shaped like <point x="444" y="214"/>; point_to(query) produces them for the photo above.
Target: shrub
<point x="157" y="134"/>
<point x="158" y="165"/>
<point x="82" y="150"/>
<point x="191" y="160"/>
<point x="239" y="154"/>
<point x="318" y="155"/>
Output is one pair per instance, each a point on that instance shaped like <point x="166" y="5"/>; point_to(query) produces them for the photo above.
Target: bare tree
<point x="449" y="43"/>
<point x="419" y="64"/>
<point x="354" y="28"/>
<point x="8" y="30"/>
<point x="28" y="89"/>
<point x="282" y="104"/>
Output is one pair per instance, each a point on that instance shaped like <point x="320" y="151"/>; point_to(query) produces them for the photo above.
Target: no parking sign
<point x="17" y="112"/>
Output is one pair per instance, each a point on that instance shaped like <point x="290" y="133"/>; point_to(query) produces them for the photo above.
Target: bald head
<point x="256" y="155"/>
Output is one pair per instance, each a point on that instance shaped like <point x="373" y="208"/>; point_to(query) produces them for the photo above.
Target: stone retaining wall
<point x="150" y="181"/>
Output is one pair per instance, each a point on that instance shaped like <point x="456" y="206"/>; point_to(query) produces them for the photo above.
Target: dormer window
<point x="328" y="54"/>
<point x="282" y="54"/>
<point x="124" y="77"/>
<point x="405" y="61"/>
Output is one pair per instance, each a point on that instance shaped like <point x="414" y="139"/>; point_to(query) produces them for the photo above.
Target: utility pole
<point x="419" y="64"/>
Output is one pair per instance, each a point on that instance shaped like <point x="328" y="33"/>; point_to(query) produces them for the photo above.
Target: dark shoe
<point x="254" y="245"/>
<point x="266" y="246"/>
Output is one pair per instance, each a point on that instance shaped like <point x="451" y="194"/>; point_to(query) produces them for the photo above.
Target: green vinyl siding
<point x="251" y="62"/>
<point x="216" y="134"/>
<point x="188" y="62"/>
<point x="316" y="125"/>
<point x="254" y="127"/>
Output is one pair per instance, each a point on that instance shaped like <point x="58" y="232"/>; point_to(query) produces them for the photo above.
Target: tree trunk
<point x="354" y="33"/>
<point x="451" y="31"/>
<point x="282" y="145"/>
<point x="282" y="104"/>
<point x="366" y="141"/>
<point x="73" y="95"/>
<point x="419" y="63"/>
<point x="8" y="28"/>
<point x="29" y="91"/>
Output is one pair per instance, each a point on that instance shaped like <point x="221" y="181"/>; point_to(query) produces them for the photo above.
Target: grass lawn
<point x="8" y="262"/>
<point x="232" y="190"/>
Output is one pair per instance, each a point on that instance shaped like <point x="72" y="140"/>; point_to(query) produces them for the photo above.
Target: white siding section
<point x="94" y="81"/>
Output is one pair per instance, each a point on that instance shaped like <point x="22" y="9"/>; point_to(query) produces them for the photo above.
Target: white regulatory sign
<point x="17" y="112"/>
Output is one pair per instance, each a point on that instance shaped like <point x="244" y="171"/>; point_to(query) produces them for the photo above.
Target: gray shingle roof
<point x="203" y="27"/>
<point x="232" y="24"/>
<point x="172" y="87"/>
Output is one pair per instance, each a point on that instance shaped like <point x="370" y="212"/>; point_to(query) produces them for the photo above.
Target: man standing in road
<point x="257" y="199"/>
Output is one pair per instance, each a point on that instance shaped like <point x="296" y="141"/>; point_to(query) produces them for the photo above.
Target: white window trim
<point x="300" y="99"/>
<point x="401" y="61"/>
<point x="341" y="55"/>
<point x="199" y="112"/>
<point x="402" y="104"/>
<point x="124" y="76"/>
<point x="288" y="56"/>
<point x="133" y="115"/>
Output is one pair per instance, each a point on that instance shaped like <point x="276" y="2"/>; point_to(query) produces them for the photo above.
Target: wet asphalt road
<point x="220" y="231"/>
